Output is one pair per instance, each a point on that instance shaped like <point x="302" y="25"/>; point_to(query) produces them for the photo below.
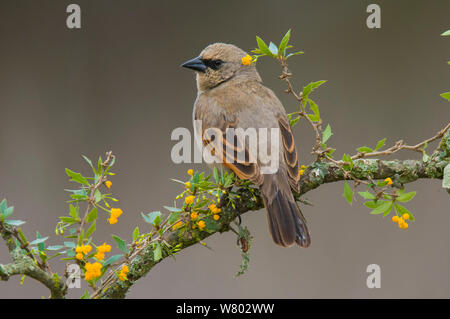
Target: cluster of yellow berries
<point x="115" y="213"/>
<point x="177" y="225"/>
<point x="92" y="270"/>
<point x="194" y="215"/>
<point x="82" y="250"/>
<point x="247" y="60"/>
<point x="201" y="224"/>
<point x="123" y="273"/>
<point x="401" y="221"/>
<point x="215" y="210"/>
<point x="189" y="199"/>
<point x="301" y="171"/>
<point x="101" y="250"/>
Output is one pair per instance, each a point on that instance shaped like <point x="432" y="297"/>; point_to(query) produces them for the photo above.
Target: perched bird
<point x="231" y="95"/>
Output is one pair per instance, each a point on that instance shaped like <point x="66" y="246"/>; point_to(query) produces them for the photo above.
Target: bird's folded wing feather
<point x="234" y="153"/>
<point x="290" y="153"/>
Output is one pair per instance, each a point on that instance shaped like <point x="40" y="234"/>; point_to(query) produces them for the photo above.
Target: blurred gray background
<point x="116" y="85"/>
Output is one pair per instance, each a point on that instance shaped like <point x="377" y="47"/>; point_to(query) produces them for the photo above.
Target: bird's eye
<point x="214" y="64"/>
<point x="217" y="63"/>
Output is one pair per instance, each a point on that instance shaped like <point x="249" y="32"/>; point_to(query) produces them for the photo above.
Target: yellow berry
<point x="188" y="184"/>
<point x="79" y="256"/>
<point x="388" y="180"/>
<point x="116" y="212"/>
<point x="395" y="219"/>
<point x="216" y="217"/>
<point x="86" y="249"/>
<point x="246" y="60"/>
<point x="189" y="199"/>
<point x="125" y="269"/>
<point x="112" y="220"/>
<point x="194" y="215"/>
<point x="108" y="184"/>
<point x="201" y="224"/>
<point x="405" y="216"/>
<point x="177" y="225"/>
<point x="190" y="172"/>
<point x="100" y="255"/>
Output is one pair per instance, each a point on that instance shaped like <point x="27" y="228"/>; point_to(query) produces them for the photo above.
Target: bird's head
<point x="218" y="63"/>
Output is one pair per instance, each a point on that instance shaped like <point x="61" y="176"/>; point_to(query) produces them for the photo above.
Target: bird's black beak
<point x="195" y="64"/>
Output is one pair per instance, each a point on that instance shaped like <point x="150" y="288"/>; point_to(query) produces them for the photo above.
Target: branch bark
<point x="23" y="264"/>
<point x="316" y="174"/>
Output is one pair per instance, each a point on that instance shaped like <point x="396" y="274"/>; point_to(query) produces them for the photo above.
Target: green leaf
<point x="54" y="247"/>
<point x="348" y="193"/>
<point x="38" y="241"/>
<point x="295" y="53"/>
<point x="316" y="116"/>
<point x="446" y="178"/>
<point x="364" y="149"/>
<point x="216" y="174"/>
<point x="373" y="204"/>
<point x="348" y="159"/>
<point x="406" y="197"/>
<point x="446" y="33"/>
<point x="77" y="177"/>
<point x="3" y="206"/>
<point x="153" y="218"/>
<point x="380" y="144"/>
<point x="97" y="196"/>
<point x="111" y="260"/>
<point x="311" y="87"/>
<point x="326" y="134"/>
<point x="383" y="208"/>
<point x="263" y="46"/>
<point x="366" y="195"/>
<point x="174" y="216"/>
<point x="73" y="211"/>
<point x="70" y="244"/>
<point x="86" y="295"/>
<point x="284" y="42"/>
<point x="173" y="209"/>
<point x="13" y="222"/>
<point x="121" y="244"/>
<point x="402" y="210"/>
<point x="157" y="252"/>
<point x="273" y="48"/>
<point x="446" y="96"/>
<point x="67" y="219"/>
<point x="88" y="161"/>
<point x="136" y="234"/>
<point x="99" y="165"/>
<point x="425" y="157"/>
<point x="8" y="211"/>
<point x="91" y="229"/>
<point x="92" y="215"/>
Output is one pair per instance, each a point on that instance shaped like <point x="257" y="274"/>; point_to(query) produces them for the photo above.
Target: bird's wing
<point x="235" y="154"/>
<point x="290" y="153"/>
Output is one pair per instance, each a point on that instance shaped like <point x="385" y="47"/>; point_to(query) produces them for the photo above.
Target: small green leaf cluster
<point x="272" y="50"/>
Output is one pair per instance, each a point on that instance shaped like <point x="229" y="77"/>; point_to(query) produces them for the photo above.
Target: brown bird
<point x="231" y="95"/>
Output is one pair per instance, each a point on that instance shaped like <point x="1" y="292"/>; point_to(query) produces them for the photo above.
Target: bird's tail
<point x="286" y="222"/>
